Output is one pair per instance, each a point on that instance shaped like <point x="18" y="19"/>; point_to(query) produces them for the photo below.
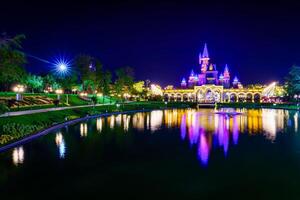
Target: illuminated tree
<point x="51" y="82"/>
<point x="105" y="82"/>
<point x="293" y="81"/>
<point x="124" y="82"/>
<point x="12" y="61"/>
<point x="90" y="70"/>
<point x="34" y="82"/>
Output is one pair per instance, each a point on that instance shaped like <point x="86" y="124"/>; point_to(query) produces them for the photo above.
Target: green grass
<point x="16" y="127"/>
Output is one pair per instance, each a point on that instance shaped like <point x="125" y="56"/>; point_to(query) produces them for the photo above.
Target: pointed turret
<point x="221" y="77"/>
<point x="204" y="59"/>
<point x="226" y="72"/>
<point x="205" y="52"/>
<point x="192" y="73"/>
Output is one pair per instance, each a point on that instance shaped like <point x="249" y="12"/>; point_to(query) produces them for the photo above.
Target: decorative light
<point x="62" y="67"/>
<point x="156" y="90"/>
<point x="19" y="88"/>
<point x="59" y="91"/>
<point x="84" y="94"/>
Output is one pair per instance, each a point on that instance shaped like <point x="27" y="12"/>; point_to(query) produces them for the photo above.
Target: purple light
<point x="183" y="127"/>
<point x="235" y="131"/>
<point x="203" y="149"/>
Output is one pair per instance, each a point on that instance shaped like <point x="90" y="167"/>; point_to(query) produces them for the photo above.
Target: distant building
<point x="208" y="74"/>
<point x="210" y="86"/>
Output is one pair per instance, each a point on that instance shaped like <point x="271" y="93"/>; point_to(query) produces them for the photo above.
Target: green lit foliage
<point x="104" y="84"/>
<point x="124" y="81"/>
<point x="35" y="83"/>
<point x="3" y="108"/>
<point x="90" y="70"/>
<point x="12" y="61"/>
<point x="50" y="81"/>
<point x="292" y="85"/>
<point x="68" y="82"/>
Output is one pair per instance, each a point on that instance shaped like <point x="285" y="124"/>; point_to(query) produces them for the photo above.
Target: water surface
<point x="178" y="154"/>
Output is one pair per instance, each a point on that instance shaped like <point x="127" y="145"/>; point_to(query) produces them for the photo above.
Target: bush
<point x="3" y="108"/>
<point x="11" y="102"/>
<point x="94" y="99"/>
<point x="56" y="102"/>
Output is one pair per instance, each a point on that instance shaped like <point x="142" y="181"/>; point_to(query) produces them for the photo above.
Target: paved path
<point x="28" y="112"/>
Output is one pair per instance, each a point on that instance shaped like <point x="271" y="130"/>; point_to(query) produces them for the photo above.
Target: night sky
<point x="162" y="40"/>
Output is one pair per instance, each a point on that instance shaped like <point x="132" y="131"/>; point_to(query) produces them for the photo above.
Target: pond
<point x="162" y="154"/>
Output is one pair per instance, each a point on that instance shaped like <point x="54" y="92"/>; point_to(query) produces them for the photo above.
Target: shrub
<point x="94" y="99"/>
<point x="11" y="102"/>
<point x="56" y="102"/>
<point x="3" y="108"/>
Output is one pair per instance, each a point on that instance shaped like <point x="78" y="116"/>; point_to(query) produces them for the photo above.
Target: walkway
<point x="28" y="112"/>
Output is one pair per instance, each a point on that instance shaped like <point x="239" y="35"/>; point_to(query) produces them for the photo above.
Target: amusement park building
<point x="209" y="86"/>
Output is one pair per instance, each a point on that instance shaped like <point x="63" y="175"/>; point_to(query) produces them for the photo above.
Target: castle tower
<point x="191" y="81"/>
<point x="221" y="79"/>
<point x="204" y="59"/>
<point x="235" y="83"/>
<point x="226" y="79"/>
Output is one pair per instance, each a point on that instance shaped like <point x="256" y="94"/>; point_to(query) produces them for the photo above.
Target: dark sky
<point x="161" y="40"/>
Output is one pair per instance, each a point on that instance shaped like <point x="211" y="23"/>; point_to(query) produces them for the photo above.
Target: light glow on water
<point x="18" y="155"/>
<point x="60" y="142"/>
<point x="204" y="130"/>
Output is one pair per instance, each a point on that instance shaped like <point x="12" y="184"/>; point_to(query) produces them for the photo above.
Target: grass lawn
<point x="17" y="127"/>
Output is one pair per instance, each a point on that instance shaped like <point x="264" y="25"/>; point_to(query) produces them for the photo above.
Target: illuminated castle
<point x="209" y="74"/>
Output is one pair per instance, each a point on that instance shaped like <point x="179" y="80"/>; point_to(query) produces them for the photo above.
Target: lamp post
<point x="100" y="95"/>
<point x="58" y="92"/>
<point x="19" y="89"/>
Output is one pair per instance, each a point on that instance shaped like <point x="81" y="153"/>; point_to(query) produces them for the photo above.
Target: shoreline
<point x="259" y="106"/>
<point x="47" y="130"/>
<point x="126" y="110"/>
<point x="31" y="136"/>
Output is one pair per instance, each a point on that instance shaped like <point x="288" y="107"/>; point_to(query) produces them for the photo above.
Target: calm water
<point x="178" y="154"/>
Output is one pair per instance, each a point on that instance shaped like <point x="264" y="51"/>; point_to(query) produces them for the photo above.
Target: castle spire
<point x="205" y="52"/>
<point x="226" y="71"/>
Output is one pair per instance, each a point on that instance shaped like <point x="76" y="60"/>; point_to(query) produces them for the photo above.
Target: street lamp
<point x="62" y="67"/>
<point x="19" y="89"/>
<point x="58" y="92"/>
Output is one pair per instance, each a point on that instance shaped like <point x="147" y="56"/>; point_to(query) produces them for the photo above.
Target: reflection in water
<point x="204" y="130"/>
<point x="203" y="148"/>
<point x="155" y="119"/>
<point x="126" y="120"/>
<point x="18" y="155"/>
<point x="83" y="129"/>
<point x="112" y="121"/>
<point x="99" y="124"/>
<point x="296" y="121"/>
<point x="60" y="142"/>
<point x="138" y="121"/>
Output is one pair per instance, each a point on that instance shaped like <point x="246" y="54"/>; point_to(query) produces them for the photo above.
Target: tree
<point x="293" y="81"/>
<point x="68" y="82"/>
<point x="34" y="82"/>
<point x="12" y="61"/>
<point x="50" y="82"/>
<point x="90" y="69"/>
<point x="105" y="82"/>
<point x="124" y="82"/>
